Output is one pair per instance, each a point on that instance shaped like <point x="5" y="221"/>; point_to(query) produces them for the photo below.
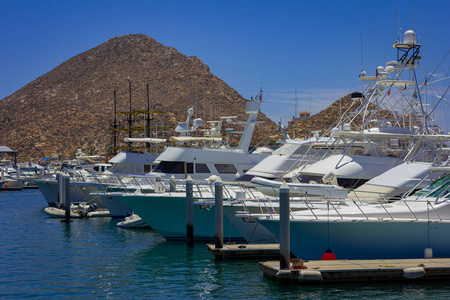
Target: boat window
<point x="433" y="186"/>
<point x="201" y="168"/>
<point x="174" y="167"/>
<point x="226" y="168"/>
<point x="437" y="192"/>
<point x="147" y="168"/>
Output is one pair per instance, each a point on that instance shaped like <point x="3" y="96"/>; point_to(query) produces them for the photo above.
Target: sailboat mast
<point x="115" y="123"/>
<point x="130" y="121"/>
<point x="148" y="116"/>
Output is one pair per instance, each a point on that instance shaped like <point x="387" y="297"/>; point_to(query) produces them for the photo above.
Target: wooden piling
<point x="60" y="189"/>
<point x="189" y="212"/>
<point x="218" y="207"/>
<point x="66" y="193"/>
<point x="284" y="228"/>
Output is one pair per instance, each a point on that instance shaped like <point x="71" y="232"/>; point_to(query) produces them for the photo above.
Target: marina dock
<point x="323" y="271"/>
<point x="245" y="251"/>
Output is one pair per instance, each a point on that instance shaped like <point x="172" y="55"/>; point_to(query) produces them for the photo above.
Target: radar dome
<point x="389" y="69"/>
<point x="409" y="37"/>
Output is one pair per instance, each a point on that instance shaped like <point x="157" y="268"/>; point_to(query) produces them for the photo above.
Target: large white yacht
<point x="395" y="126"/>
<point x="416" y="226"/>
<point x="216" y="158"/>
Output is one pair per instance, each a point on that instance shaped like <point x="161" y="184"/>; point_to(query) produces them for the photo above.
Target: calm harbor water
<point x="41" y="257"/>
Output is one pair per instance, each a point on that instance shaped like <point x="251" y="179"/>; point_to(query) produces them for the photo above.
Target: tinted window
<point x="174" y="167"/>
<point x="201" y="168"/>
<point x="226" y="168"/>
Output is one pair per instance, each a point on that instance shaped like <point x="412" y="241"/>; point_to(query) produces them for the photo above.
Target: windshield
<point x="436" y="188"/>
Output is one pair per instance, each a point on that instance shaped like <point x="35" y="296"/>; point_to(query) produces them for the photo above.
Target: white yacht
<point x="395" y="126"/>
<point x="416" y="226"/>
<point x="216" y="158"/>
<point x="10" y="178"/>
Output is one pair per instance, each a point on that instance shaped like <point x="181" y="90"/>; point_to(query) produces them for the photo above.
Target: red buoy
<point x="328" y="255"/>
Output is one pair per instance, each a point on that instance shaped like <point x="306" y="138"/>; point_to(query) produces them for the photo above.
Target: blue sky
<point x="313" y="47"/>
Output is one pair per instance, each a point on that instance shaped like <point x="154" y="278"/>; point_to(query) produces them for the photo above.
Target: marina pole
<point x="60" y="189"/>
<point x="189" y="212"/>
<point x="66" y="197"/>
<point x="218" y="206"/>
<point x="285" y="251"/>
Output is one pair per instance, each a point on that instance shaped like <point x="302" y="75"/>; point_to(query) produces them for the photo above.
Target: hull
<point x="366" y="239"/>
<point x="117" y="208"/>
<point x="166" y="214"/>
<point x="252" y="231"/>
<point x="12" y="185"/>
<point x="49" y="190"/>
<point x="88" y="191"/>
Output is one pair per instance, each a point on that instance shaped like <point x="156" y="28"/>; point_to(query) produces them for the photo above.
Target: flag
<point x="425" y="82"/>
<point x="293" y="120"/>
<point x="362" y="70"/>
<point x="404" y="88"/>
<point x="415" y="95"/>
<point x="389" y="92"/>
<point x="376" y="73"/>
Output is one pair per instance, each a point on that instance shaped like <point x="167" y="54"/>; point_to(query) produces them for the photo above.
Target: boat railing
<point x="413" y="207"/>
<point x="383" y="209"/>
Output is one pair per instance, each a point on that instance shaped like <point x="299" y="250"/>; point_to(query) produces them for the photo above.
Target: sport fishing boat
<point x="416" y="226"/>
<point x="395" y="125"/>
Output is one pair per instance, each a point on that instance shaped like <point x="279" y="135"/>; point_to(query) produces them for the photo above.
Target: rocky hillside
<point x="72" y="106"/>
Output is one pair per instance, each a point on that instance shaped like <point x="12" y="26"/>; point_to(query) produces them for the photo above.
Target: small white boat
<point x="77" y="210"/>
<point x="133" y="221"/>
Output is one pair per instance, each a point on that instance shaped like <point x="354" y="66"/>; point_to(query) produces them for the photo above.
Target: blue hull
<point x="167" y="216"/>
<point x="366" y="240"/>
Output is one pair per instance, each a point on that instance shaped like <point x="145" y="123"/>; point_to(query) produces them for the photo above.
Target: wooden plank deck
<point x="322" y="271"/>
<point x="246" y="251"/>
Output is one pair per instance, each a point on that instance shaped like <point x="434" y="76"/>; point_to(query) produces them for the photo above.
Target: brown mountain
<point x="72" y="106"/>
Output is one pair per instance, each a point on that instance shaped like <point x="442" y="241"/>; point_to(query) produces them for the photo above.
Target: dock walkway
<point x="246" y="251"/>
<point x="361" y="270"/>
